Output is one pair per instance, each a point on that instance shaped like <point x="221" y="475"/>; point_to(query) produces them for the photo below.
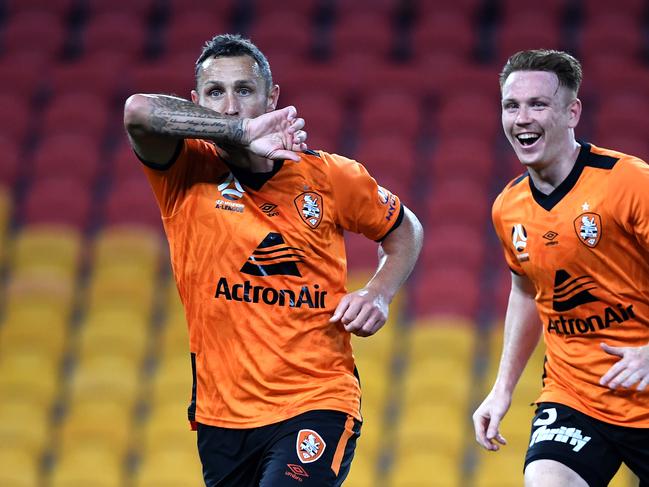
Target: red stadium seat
<point x="459" y="201"/>
<point x="60" y="8"/>
<point x="388" y="157"/>
<point x="285" y="32"/>
<point x="513" y="10"/>
<point x="132" y="202"/>
<point x="527" y="31"/>
<point x="475" y="114"/>
<point x="20" y="77"/>
<point x="451" y="291"/>
<point x="10" y="161"/>
<point x="611" y="74"/>
<point x="468" y="78"/>
<point x="101" y="77"/>
<point x="102" y="31"/>
<point x="35" y="31"/>
<point x="124" y="164"/>
<point x="467" y="8"/>
<point x="224" y="9"/>
<point x="449" y="243"/>
<point x="139" y="8"/>
<point x="60" y="201"/>
<point x="78" y="113"/>
<point x="303" y="8"/>
<point x="362" y="253"/>
<point x="189" y="30"/>
<point x="69" y="156"/>
<point x="452" y="32"/>
<point x="380" y="108"/>
<point x="456" y="157"/>
<point x="365" y="31"/>
<point x="620" y="35"/>
<point x="603" y="8"/>
<point x="16" y="125"/>
<point x="162" y="77"/>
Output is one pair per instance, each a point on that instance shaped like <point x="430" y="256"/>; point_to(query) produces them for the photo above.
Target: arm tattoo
<point x="181" y="118"/>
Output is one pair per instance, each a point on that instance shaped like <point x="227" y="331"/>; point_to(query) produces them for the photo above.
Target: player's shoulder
<point x="623" y="166"/>
<point x="517" y="185"/>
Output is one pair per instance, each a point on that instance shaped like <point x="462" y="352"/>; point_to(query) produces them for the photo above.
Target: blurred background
<point x="94" y="365"/>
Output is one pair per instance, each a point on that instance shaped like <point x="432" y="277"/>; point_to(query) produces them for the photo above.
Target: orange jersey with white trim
<point x="585" y="247"/>
<point x="259" y="261"/>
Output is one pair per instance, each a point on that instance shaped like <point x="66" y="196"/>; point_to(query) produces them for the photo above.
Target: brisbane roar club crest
<point x="309" y="207"/>
<point x="588" y="227"/>
<point x="309" y="445"/>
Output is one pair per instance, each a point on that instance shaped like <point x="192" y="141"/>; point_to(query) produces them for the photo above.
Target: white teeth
<point x="527" y="136"/>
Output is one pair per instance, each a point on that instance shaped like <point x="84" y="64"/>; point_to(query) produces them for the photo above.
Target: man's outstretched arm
<point x="365" y="311"/>
<point x="155" y="124"/>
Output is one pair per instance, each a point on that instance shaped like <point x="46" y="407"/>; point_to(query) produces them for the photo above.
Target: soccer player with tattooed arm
<point x="575" y="232"/>
<point x="255" y="226"/>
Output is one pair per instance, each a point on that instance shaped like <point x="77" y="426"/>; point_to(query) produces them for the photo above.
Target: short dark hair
<point x="233" y="45"/>
<point x="565" y="66"/>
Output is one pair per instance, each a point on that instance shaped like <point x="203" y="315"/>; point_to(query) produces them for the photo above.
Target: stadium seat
<point x="70" y="114"/>
<point x="117" y="341"/>
<point x="459" y="201"/>
<point x="283" y="31"/>
<point x="172" y="380"/>
<point x="125" y="165"/>
<point x="621" y="114"/>
<point x="459" y="113"/>
<point x="500" y="469"/>
<point x="189" y="29"/>
<point x="455" y="157"/>
<point x="419" y="465"/>
<point x="11" y="166"/>
<point x="6" y="211"/>
<point x="106" y="377"/>
<point x="96" y="75"/>
<point x="365" y="30"/>
<point x="40" y="31"/>
<point x="138" y="8"/>
<point x="132" y="202"/>
<point x="304" y="8"/>
<point x="514" y="11"/>
<point x="101" y="31"/>
<point x="60" y="8"/>
<point x="19" y="336"/>
<point x="379" y="109"/>
<point x="170" y="467"/>
<point x="162" y="77"/>
<point x="67" y="156"/>
<point x="18" y="468"/>
<point x="618" y="34"/>
<point x="225" y="10"/>
<point x="602" y="9"/>
<point x="80" y="467"/>
<point x="448" y="31"/>
<point x="59" y="201"/>
<point x="528" y="29"/>
<point x="48" y="293"/>
<point x="14" y="128"/>
<point x="447" y="291"/>
<point x="134" y="296"/>
<point x="24" y="425"/>
<point x="388" y="157"/>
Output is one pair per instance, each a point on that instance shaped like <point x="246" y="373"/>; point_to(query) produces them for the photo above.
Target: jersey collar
<point x="255" y="180"/>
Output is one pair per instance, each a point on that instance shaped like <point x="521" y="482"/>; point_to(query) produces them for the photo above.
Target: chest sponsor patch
<point x="309" y="445"/>
<point x="309" y="206"/>
<point x="588" y="227"/>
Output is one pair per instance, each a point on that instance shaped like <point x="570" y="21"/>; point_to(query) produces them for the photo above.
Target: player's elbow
<point x="136" y="114"/>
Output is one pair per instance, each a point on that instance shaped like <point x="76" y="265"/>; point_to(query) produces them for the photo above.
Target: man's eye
<point x="214" y="92"/>
<point x="244" y="91"/>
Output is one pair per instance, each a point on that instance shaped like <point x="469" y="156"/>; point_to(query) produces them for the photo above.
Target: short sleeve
<point x="194" y="160"/>
<point x="362" y="206"/>
<point x="504" y="237"/>
<point x="628" y="191"/>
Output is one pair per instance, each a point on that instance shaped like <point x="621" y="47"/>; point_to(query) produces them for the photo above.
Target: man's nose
<point x="231" y="105"/>
<point x="523" y="116"/>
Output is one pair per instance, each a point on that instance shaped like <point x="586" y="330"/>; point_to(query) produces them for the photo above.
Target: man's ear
<point x="574" y="110"/>
<point x="273" y="98"/>
<point x="195" y="97"/>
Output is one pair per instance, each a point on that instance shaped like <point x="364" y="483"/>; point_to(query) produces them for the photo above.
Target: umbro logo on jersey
<point x="273" y="257"/>
<point x="269" y="209"/>
<point x="310" y="208"/>
<point x="309" y="445"/>
<point x="589" y="228"/>
<point x="571" y="292"/>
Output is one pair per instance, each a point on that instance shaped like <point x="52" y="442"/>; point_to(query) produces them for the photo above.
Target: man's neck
<point x="548" y="177"/>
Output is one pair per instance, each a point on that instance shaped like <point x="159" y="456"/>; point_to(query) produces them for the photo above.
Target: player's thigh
<point x="550" y="473"/>
<point x="226" y="458"/>
<point x="633" y="444"/>
<point x="575" y="443"/>
<point x="314" y="449"/>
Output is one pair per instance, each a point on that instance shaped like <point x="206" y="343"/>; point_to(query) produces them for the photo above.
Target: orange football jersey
<point x="585" y="246"/>
<point x="259" y="261"/>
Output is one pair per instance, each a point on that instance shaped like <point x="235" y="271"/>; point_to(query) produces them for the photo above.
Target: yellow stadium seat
<point x="5" y="217"/>
<point x="23" y="425"/>
<point x="131" y="295"/>
<point x="451" y="338"/>
<point x="172" y="379"/>
<point x="97" y="423"/>
<point x="421" y="466"/>
<point x="167" y="426"/>
<point x="88" y="465"/>
<point x="30" y="377"/>
<point x="129" y="342"/>
<point x="503" y="468"/>
<point x="28" y="291"/>
<point x="170" y="467"/>
<point x="363" y="472"/>
<point x="174" y="336"/>
<point x="125" y="248"/>
<point x="46" y="250"/>
<point x="43" y="333"/>
<point x="109" y="378"/>
<point x="18" y="467"/>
